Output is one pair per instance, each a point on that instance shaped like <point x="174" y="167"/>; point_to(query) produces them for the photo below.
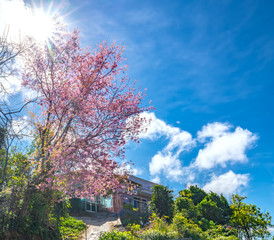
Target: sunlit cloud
<point x="156" y="180"/>
<point x="227" y="183"/>
<point x="167" y="161"/>
<point x="156" y="128"/>
<point x="223" y="146"/>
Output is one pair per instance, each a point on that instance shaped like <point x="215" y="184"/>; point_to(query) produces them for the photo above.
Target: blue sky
<point x="203" y="62"/>
<point x="208" y="67"/>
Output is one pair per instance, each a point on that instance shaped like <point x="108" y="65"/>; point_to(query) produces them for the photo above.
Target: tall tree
<point x="215" y="207"/>
<point x="9" y="52"/>
<point x="248" y="219"/>
<point x="186" y="206"/>
<point x="86" y="111"/>
<point x="162" y="202"/>
<point x="195" y="193"/>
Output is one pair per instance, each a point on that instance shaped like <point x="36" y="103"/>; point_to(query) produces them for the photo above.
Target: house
<point x="138" y="197"/>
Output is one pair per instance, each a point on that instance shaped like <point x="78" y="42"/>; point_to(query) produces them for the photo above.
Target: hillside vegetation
<point x="198" y="215"/>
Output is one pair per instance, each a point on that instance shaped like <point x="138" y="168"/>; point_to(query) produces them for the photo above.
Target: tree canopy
<point x="86" y="111"/>
<point x="248" y="219"/>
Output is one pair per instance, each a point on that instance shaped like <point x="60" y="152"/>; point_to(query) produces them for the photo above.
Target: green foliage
<point x="71" y="228"/>
<point x="151" y="234"/>
<point x="210" y="211"/>
<point x="116" y="235"/>
<point x="158" y="235"/>
<point x="162" y="202"/>
<point x="26" y="212"/>
<point x="195" y="193"/>
<point x="3" y="133"/>
<point x="134" y="228"/>
<point x="222" y="206"/>
<point x="200" y="221"/>
<point x="133" y="217"/>
<point x="224" y="238"/>
<point x="128" y="207"/>
<point x="186" y="206"/>
<point x="205" y="224"/>
<point x="159" y="224"/>
<point x="187" y="228"/>
<point x="221" y="232"/>
<point x="248" y="219"/>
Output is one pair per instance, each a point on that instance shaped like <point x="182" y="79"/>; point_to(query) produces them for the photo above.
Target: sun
<point x="38" y="25"/>
<point x="23" y="21"/>
<point x="42" y="26"/>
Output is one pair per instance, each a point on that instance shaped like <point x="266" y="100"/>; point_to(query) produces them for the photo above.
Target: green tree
<point x="248" y="219"/>
<point x="186" y="206"/>
<point x="215" y="207"/>
<point x="195" y="193"/>
<point x="162" y="202"/>
<point x="210" y="211"/>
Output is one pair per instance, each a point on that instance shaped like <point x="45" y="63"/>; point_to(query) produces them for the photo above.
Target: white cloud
<point x="9" y="86"/>
<point x="213" y="130"/>
<point x="129" y="169"/>
<point x="21" y="127"/>
<point x="156" y="128"/>
<point x="136" y="171"/>
<point x="168" y="164"/>
<point x="224" y="146"/>
<point x="227" y="183"/>
<point x="181" y="141"/>
<point x="156" y="180"/>
<point x="167" y="160"/>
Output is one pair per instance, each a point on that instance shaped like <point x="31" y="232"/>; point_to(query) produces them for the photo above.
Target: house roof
<point x="140" y="181"/>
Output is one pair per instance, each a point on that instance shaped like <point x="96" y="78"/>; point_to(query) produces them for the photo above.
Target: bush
<point x="116" y="235"/>
<point x="158" y="235"/>
<point x="71" y="228"/>
<point x="133" y="217"/>
<point x="225" y="238"/>
<point x="187" y="228"/>
<point x="221" y="232"/>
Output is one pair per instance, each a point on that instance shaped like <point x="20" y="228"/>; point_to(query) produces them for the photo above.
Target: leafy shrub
<point x="158" y="235"/>
<point x="221" y="232"/>
<point x="128" y="206"/>
<point x="187" y="228"/>
<point x="71" y="228"/>
<point x="226" y="238"/>
<point x="116" y="235"/>
<point x="133" y="217"/>
<point x="205" y="224"/>
<point x="134" y="228"/>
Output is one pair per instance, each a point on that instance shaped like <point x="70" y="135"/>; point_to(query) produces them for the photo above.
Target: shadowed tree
<point x="162" y="202"/>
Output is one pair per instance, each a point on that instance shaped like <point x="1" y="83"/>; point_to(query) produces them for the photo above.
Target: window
<point x="91" y="205"/>
<point x="137" y="203"/>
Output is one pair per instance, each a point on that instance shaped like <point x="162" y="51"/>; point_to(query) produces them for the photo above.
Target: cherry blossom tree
<point x="86" y="111"/>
